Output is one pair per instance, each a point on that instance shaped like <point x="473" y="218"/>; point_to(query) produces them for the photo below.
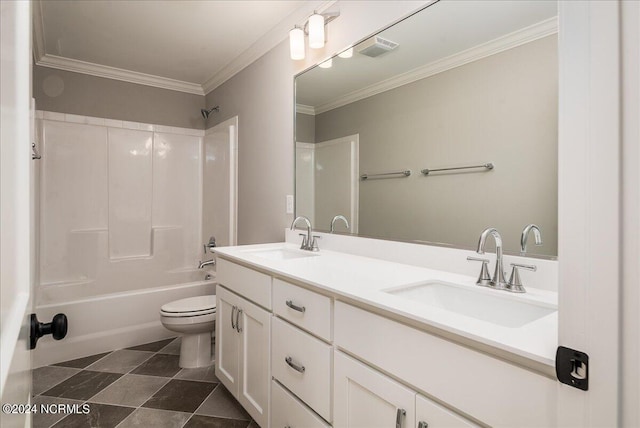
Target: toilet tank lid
<point x="191" y="304"/>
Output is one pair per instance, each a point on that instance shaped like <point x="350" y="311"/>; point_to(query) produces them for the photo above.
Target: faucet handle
<point x="304" y="244"/>
<point x="484" y="279"/>
<point x="314" y="243"/>
<point x="515" y="283"/>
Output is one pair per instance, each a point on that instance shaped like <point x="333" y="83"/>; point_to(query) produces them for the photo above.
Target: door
<point x="15" y="211"/>
<point x="219" y="199"/>
<point x="336" y="182"/>
<point x="227" y="339"/>
<point x="364" y="397"/>
<point x="255" y="361"/>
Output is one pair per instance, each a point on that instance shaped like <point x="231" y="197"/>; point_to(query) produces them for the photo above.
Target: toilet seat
<point x="190" y="307"/>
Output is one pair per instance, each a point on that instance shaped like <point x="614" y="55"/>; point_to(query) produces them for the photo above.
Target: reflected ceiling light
<point x="316" y="31"/>
<point x="296" y="43"/>
<point x="326" y="64"/>
<point x="347" y="53"/>
<point x="314" y="28"/>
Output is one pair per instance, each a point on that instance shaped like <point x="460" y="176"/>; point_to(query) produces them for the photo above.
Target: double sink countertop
<point x="525" y="325"/>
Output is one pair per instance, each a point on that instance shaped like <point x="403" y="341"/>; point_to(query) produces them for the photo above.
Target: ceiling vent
<point x="376" y="46"/>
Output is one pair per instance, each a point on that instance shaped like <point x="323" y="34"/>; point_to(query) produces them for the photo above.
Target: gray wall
<point x="305" y="128"/>
<point x="262" y="97"/>
<point x="113" y="99"/>
<point x="500" y="109"/>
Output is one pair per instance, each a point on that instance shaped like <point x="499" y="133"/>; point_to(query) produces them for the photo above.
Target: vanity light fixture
<point x="314" y="28"/>
<point x="296" y="43"/>
<point x="316" y="31"/>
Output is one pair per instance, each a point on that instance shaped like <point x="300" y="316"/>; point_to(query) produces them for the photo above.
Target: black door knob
<point x="56" y="328"/>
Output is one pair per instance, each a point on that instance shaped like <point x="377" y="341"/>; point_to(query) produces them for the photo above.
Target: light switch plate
<point x="289" y="204"/>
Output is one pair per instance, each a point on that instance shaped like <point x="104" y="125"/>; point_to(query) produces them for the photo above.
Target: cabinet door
<point x="227" y="339"/>
<point x="364" y="397"/>
<point x="255" y="361"/>
<point x="436" y="416"/>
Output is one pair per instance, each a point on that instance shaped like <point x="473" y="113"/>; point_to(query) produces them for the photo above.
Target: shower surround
<point x="120" y="229"/>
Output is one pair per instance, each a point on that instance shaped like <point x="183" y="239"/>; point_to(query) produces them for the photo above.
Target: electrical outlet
<point x="289" y="204"/>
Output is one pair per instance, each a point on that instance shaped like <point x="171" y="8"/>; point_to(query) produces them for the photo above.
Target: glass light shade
<point x="316" y="31"/>
<point x="347" y="53"/>
<point x="296" y="43"/>
<point x="326" y="64"/>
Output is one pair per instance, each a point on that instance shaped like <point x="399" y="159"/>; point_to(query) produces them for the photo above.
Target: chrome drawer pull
<point x="238" y="329"/>
<point x="423" y="424"/>
<point x="233" y="310"/>
<point x="400" y="414"/>
<point x="294" y="307"/>
<point x="293" y="365"/>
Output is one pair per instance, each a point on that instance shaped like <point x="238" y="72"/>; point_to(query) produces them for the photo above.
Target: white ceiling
<point x="188" y="41"/>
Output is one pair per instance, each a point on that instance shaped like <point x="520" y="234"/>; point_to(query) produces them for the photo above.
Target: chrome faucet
<point x="309" y="242"/>
<point x="525" y="235"/>
<point x="498" y="281"/>
<point x="339" y="217"/>
<point x="207" y="263"/>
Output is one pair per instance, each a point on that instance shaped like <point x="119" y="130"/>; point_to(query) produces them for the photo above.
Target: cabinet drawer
<point x="311" y="384"/>
<point x="248" y="283"/>
<point x="311" y="311"/>
<point x="437" y="416"/>
<point x="288" y="411"/>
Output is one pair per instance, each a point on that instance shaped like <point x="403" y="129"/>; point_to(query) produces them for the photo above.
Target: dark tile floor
<point x="141" y="386"/>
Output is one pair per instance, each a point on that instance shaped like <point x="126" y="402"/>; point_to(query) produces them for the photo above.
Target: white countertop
<point x="365" y="280"/>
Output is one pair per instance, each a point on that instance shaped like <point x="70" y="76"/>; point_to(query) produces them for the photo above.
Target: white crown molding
<point x="305" y="109"/>
<point x="503" y="43"/>
<point x="38" y="31"/>
<point x="68" y="64"/>
<point x="267" y="42"/>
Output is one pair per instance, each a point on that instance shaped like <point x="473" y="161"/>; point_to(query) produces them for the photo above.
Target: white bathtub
<point x="111" y="321"/>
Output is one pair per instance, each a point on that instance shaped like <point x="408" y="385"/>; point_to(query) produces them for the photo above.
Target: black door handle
<point x="57" y="328"/>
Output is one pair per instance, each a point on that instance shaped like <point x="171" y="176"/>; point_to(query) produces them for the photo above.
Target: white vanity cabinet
<point x="318" y="361"/>
<point x="301" y="358"/>
<point x="288" y="411"/>
<point x="364" y="397"/>
<point x="243" y="349"/>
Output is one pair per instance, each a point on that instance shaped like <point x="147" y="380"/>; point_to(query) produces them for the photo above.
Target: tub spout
<point x="207" y="263"/>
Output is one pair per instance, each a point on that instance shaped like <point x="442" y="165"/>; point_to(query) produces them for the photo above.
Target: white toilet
<point x="194" y="318"/>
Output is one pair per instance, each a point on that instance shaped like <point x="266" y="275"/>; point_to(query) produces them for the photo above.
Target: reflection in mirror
<point x="458" y="84"/>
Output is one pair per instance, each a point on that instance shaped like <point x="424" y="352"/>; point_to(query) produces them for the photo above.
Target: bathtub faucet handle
<point x="210" y="245"/>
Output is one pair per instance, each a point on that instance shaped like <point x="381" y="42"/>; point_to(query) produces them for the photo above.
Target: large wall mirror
<point x="467" y="90"/>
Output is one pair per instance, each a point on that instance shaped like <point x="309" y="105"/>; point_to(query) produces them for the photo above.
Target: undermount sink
<point x="496" y="309"/>
<point x="281" y="254"/>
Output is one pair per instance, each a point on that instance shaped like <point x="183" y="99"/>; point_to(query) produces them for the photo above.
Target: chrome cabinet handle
<point x="295" y="307"/>
<point x="423" y="424"/>
<point x="233" y="310"/>
<point x="238" y="329"/>
<point x="400" y="414"/>
<point x="296" y="367"/>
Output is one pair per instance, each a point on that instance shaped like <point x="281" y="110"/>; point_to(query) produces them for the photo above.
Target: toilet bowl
<point x="194" y="318"/>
